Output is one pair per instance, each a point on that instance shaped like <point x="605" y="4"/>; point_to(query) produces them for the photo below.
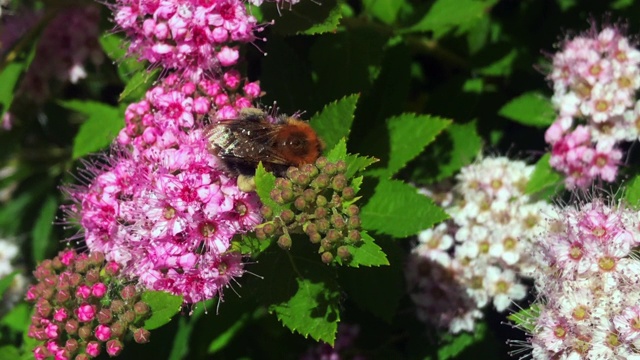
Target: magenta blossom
<point x="190" y="36"/>
<point x="164" y="208"/>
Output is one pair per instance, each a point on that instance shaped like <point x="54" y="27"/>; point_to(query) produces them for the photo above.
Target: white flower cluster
<point x="587" y="280"/>
<point x="8" y="252"/>
<point x="595" y="78"/>
<point x="478" y="256"/>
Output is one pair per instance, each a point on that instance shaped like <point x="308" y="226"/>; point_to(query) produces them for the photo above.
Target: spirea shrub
<point x="336" y="179"/>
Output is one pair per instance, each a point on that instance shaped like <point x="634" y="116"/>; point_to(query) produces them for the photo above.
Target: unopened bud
<point x="299" y="203"/>
<point x="287" y="216"/>
<point x="339" y="182"/>
<point x="348" y="193"/>
<point x="284" y="241"/>
<point x="326" y="257"/>
<point x="141" y="335"/>
<point x="343" y="253"/>
<point x="321" y="162"/>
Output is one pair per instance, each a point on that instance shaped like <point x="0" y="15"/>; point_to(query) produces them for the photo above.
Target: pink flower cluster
<point x="279" y="3"/>
<point x="587" y="277"/>
<point x="192" y="36"/>
<point x="66" y="44"/>
<point x="595" y="78"/>
<point x="163" y="207"/>
<point x="582" y="160"/>
<point x="477" y="258"/>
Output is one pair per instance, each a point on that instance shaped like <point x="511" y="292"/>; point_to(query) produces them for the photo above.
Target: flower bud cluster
<point x="81" y="310"/>
<point x="316" y="199"/>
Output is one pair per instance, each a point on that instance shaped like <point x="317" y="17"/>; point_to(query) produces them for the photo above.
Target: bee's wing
<point x="249" y="140"/>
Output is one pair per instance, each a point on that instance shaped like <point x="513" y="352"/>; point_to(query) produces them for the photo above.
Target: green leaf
<point x="180" y="349"/>
<point x="330" y="23"/>
<point x="526" y="319"/>
<point x="250" y="245"/>
<point x="300" y="289"/>
<point x="18" y="319"/>
<point x="9" y="352"/>
<point x="357" y="163"/>
<point x="502" y="66"/>
<point x="11" y="74"/>
<point x="6" y="281"/>
<point x="265" y="182"/>
<point x="334" y="121"/>
<point x="446" y="15"/>
<point x="409" y="135"/>
<point x="103" y="124"/>
<point x="312" y="311"/>
<point x="307" y="17"/>
<point x="222" y="340"/>
<point x="367" y="253"/>
<point x="478" y="37"/>
<point x="543" y="176"/>
<point x="13" y="213"/>
<point x="363" y="285"/>
<point x="458" y="146"/>
<point x="532" y="108"/>
<point x="338" y="152"/>
<point x="163" y="307"/>
<point x="8" y="79"/>
<point x="42" y="229"/>
<point x="128" y="67"/>
<point x="455" y="344"/>
<point x="384" y="10"/>
<point x="138" y="85"/>
<point x="632" y="192"/>
<point x="397" y="209"/>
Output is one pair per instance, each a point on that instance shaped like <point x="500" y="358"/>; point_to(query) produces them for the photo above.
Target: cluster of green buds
<point x="319" y="201"/>
<point x="82" y="308"/>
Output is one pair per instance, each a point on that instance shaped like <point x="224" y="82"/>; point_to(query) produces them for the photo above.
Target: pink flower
<point x="85" y="313"/>
<point x="595" y="78"/>
<point x="40" y="352"/>
<point x="98" y="290"/>
<point x="67" y="257"/>
<point x="73" y="30"/>
<point x="114" y="347"/>
<point x="587" y="308"/>
<point x="103" y="332"/>
<point x="61" y="315"/>
<point x="165" y="210"/>
<point x="52" y="331"/>
<point x="228" y="56"/>
<point x="628" y="323"/>
<point x="185" y="35"/>
<point x="93" y="348"/>
<point x="83" y="292"/>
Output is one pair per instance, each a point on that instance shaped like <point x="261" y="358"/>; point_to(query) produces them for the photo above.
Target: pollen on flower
<point x="188" y="36"/>
<point x="583" y="276"/>
<point x="595" y="86"/>
<point x="480" y="256"/>
<point x="161" y="205"/>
